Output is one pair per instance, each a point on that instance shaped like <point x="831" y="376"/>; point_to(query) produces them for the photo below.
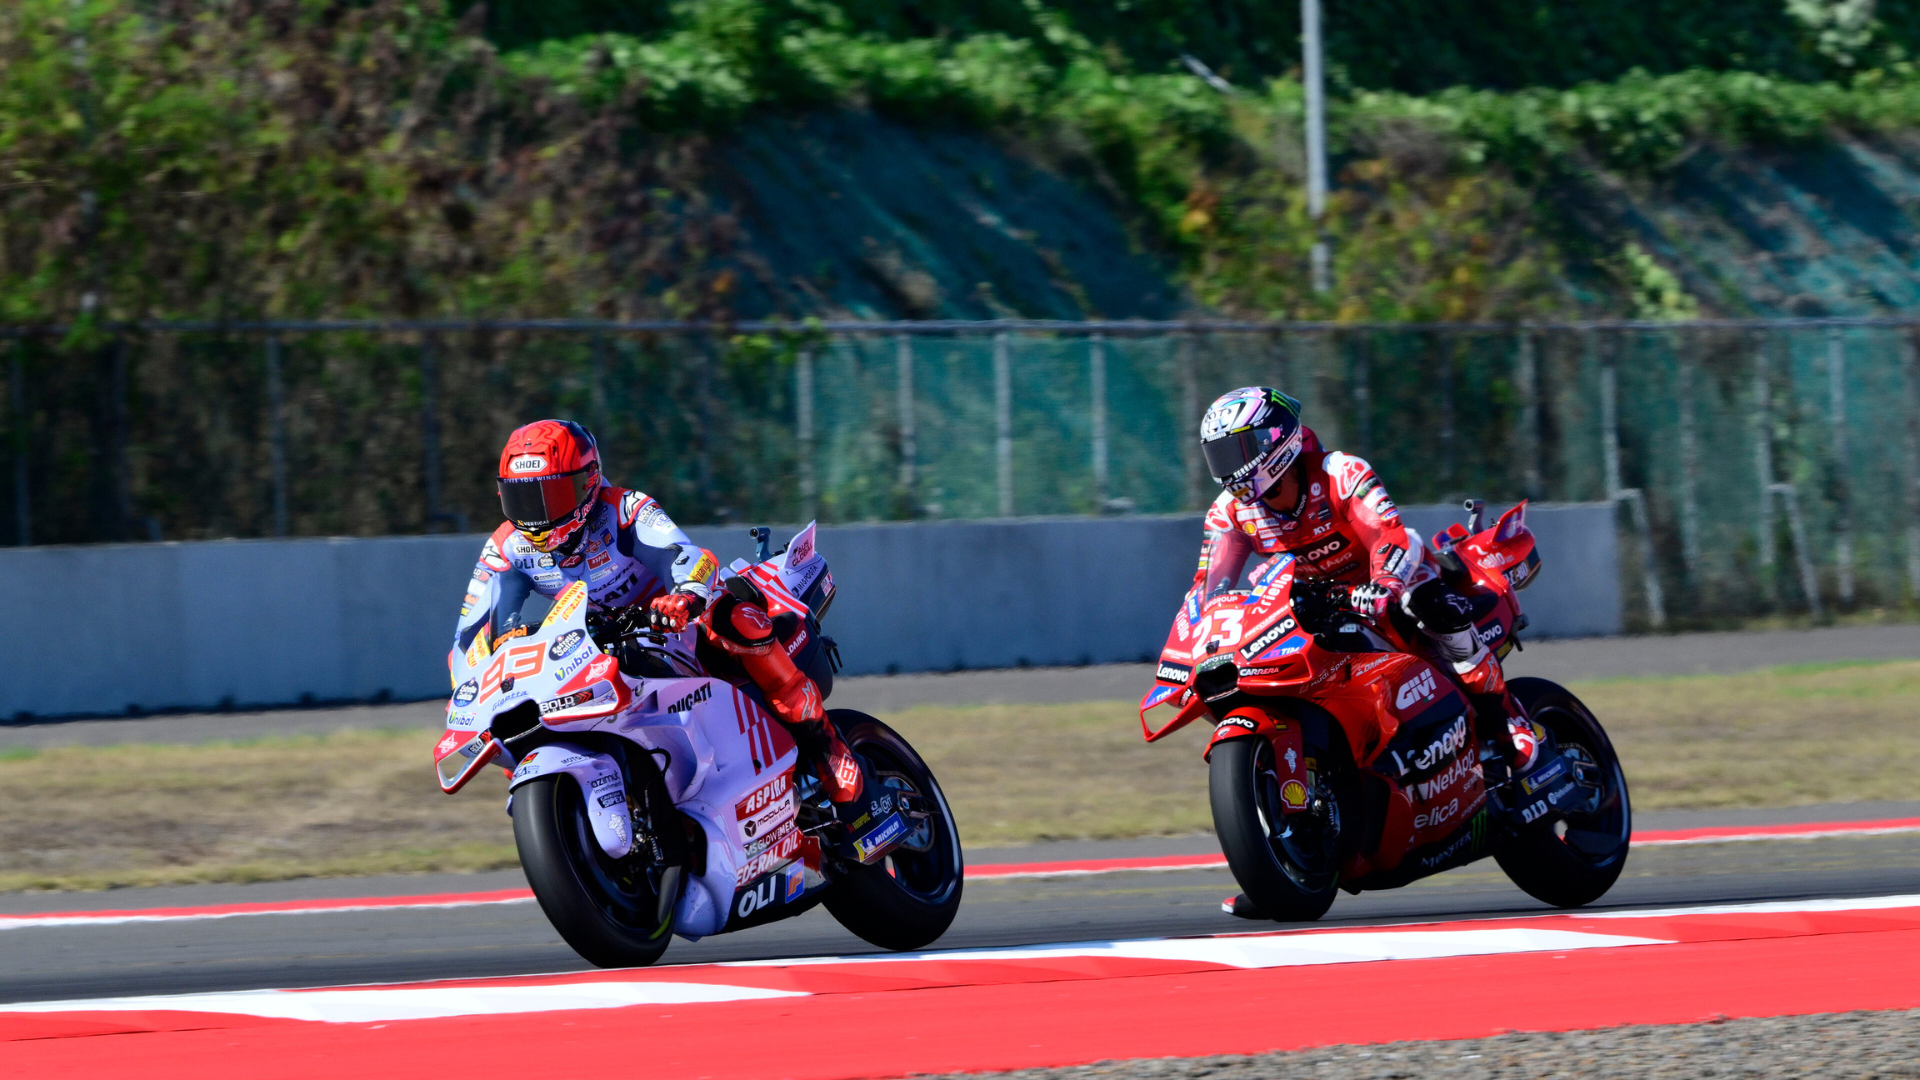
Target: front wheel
<point x="615" y="913"/>
<point x="1572" y="856"/>
<point x="908" y="899"/>
<point x="1286" y="863"/>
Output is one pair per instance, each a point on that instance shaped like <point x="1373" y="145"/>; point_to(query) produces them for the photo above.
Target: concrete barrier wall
<point x="262" y="622"/>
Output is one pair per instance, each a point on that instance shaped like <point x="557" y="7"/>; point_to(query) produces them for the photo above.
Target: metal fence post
<point x="1448" y="439"/>
<point x="1763" y="462"/>
<point x="803" y="423"/>
<point x="22" y="503"/>
<point x="909" y="448"/>
<point x="597" y="389"/>
<point x="1097" y="386"/>
<point x="1797" y="530"/>
<point x="1689" y="463"/>
<point x="1842" y="500"/>
<point x="1527" y="375"/>
<point x="277" y="435"/>
<point x="1003" y="422"/>
<point x="1910" y="369"/>
<point x="430" y="427"/>
<point x="1362" y="394"/>
<point x="119" y="473"/>
<point x="1609" y="422"/>
<point x="1634" y="498"/>
<point x="1190" y="419"/>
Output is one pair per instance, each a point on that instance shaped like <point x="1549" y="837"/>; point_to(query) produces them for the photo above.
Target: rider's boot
<point x="743" y="630"/>
<point x="1501" y="718"/>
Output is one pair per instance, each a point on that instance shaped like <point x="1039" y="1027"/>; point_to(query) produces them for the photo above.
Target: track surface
<point x="396" y="946"/>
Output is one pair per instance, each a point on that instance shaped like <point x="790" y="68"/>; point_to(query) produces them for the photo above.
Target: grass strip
<point x="364" y="802"/>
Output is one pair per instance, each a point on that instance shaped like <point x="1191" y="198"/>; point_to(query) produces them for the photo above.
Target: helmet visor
<point x="539" y="503"/>
<point x="1229" y="456"/>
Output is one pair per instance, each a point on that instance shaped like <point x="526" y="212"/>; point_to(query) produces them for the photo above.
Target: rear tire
<point x="1571" y="859"/>
<point x="1288" y="880"/>
<point x="907" y="900"/>
<point x="613" y="913"/>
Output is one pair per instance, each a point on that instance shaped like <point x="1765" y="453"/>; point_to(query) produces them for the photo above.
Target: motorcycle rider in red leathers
<point x="566" y="524"/>
<point x="1286" y="493"/>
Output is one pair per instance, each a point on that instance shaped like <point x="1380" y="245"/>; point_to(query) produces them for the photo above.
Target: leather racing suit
<point x="1346" y="529"/>
<point x="632" y="552"/>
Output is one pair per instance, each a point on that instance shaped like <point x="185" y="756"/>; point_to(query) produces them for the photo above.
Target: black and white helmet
<point x="1251" y="437"/>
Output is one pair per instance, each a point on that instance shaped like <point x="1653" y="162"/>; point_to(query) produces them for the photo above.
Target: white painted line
<point x="1744" y="838"/>
<point x="1215" y="863"/>
<point x="1772" y="907"/>
<point x="415" y="1003"/>
<point x="29" y="922"/>
<point x="1270" y="950"/>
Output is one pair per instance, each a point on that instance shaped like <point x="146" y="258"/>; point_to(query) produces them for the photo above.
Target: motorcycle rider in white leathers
<point x="566" y="524"/>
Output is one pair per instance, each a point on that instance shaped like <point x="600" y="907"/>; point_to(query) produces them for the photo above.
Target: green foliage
<point x="1412" y="46"/>
<point x="286" y="157"/>
<point x="1657" y="293"/>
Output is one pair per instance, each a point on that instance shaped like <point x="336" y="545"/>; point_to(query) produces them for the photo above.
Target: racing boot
<point x="1501" y="719"/>
<point x="795" y="699"/>
<point x="864" y="807"/>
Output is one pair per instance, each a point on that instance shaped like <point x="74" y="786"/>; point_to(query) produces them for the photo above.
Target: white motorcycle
<point x="650" y="797"/>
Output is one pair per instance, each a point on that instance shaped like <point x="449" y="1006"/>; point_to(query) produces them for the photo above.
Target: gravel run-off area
<point x="1853" y="1046"/>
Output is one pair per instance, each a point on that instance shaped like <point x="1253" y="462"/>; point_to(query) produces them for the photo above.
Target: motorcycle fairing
<point x="461" y="754"/>
<point x="601" y="785"/>
<point x="723" y="750"/>
<point x="1289" y="750"/>
<point x="1409" y="725"/>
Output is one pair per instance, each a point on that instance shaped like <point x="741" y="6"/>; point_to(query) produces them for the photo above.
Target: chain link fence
<point x="1758" y="466"/>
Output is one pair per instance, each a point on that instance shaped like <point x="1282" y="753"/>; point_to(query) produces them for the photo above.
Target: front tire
<point x="1286" y="864"/>
<point x="615" y="913"/>
<point x="1571" y="859"/>
<point x="907" y="900"/>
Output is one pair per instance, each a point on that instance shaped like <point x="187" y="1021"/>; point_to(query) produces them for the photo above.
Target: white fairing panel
<point x="802" y="565"/>
<point x="599" y="778"/>
<point x="732" y="771"/>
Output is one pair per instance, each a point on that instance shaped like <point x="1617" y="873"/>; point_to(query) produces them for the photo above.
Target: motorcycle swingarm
<point x="601" y="786"/>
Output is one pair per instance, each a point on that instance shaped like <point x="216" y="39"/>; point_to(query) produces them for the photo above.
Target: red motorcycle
<point x="1344" y="754"/>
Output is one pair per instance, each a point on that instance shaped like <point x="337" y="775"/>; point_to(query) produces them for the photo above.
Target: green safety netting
<point x="1750" y="491"/>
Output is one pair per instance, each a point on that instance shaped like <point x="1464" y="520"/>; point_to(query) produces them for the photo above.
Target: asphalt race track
<point x="286" y="951"/>
<point x="1143" y="985"/>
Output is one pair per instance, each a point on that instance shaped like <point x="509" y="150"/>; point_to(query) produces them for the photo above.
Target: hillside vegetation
<point x="305" y="157"/>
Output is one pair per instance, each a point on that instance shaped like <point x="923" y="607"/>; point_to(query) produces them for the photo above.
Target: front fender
<point x="601" y="784"/>
<point x="1289" y="749"/>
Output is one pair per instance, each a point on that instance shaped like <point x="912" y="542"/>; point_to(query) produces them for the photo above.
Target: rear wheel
<point x="614" y="912"/>
<point x="1287" y="864"/>
<point x="908" y="899"/>
<point x="1572" y="856"/>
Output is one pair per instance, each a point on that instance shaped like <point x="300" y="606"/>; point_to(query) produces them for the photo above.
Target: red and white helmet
<point x="549" y="479"/>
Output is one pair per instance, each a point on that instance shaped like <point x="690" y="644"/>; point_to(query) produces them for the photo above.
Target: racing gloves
<point x="1371" y="600"/>
<point x="671" y="613"/>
